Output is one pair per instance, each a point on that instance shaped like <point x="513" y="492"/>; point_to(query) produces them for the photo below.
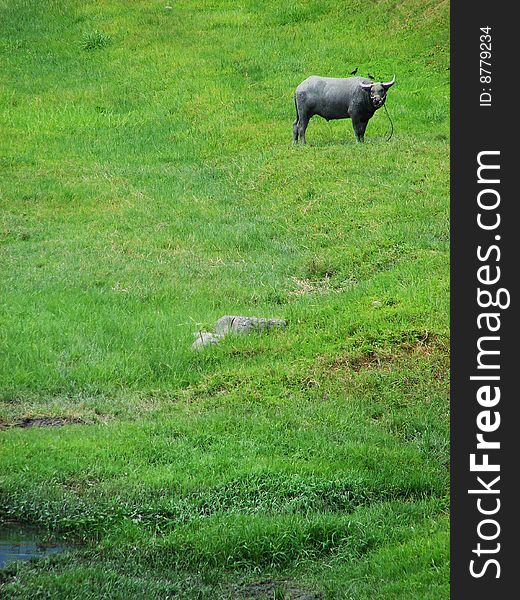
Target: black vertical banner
<point x="485" y="268"/>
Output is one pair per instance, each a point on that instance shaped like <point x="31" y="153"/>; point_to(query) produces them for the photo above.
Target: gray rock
<point x="243" y="325"/>
<point x="237" y="325"/>
<point x="205" y="338"/>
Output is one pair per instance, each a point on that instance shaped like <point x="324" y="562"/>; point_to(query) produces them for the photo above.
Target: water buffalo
<point x="353" y="98"/>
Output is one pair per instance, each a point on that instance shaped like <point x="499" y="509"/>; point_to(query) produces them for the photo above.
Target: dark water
<point x="18" y="542"/>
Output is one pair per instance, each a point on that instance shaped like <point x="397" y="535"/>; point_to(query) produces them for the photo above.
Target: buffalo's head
<point x="377" y="92"/>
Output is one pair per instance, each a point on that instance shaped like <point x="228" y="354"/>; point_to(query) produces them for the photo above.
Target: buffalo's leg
<point x="295" y="131"/>
<point x="303" y="121"/>
<point x="359" y="129"/>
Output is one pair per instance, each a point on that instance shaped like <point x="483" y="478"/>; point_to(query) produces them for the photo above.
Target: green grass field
<point x="148" y="186"/>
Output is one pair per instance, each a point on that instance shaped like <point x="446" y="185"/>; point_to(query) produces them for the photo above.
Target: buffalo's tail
<point x="296" y="107"/>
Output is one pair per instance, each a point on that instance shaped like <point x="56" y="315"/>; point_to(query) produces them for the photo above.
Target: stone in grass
<point x="236" y="324"/>
<point x="205" y="338"/>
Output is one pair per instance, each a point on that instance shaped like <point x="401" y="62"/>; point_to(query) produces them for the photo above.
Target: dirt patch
<point x="42" y="422"/>
<point x="319" y="286"/>
<point x="425" y="345"/>
<point x="275" y="590"/>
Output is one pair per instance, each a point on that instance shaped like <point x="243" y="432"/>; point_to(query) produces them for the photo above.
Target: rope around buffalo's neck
<point x="391" y="124"/>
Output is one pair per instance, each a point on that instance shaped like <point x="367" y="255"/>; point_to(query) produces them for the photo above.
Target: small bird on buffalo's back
<point x="355" y="98"/>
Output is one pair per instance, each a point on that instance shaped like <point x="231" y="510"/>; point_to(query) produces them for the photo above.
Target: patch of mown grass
<point x="147" y="187"/>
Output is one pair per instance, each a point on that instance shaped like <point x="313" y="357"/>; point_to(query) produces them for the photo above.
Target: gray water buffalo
<point x="353" y="98"/>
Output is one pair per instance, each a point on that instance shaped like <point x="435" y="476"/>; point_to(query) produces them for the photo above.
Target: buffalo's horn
<point x="389" y="83"/>
<point x="366" y="86"/>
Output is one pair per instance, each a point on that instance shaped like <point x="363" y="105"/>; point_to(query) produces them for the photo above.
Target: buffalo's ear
<point x="366" y="86"/>
<point x="388" y="84"/>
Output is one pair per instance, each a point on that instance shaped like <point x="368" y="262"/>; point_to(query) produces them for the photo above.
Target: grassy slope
<point x="147" y="186"/>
